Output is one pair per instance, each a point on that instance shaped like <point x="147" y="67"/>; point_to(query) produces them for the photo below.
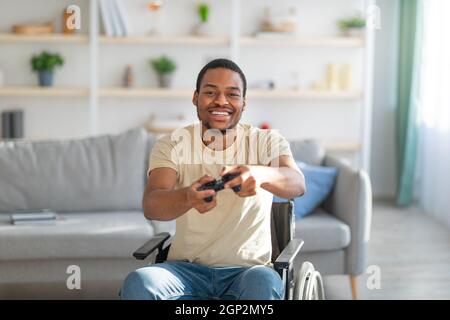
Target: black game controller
<point x="217" y="185"/>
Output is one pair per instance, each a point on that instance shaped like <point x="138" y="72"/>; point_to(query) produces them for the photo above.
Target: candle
<point x="345" y="77"/>
<point x="332" y="77"/>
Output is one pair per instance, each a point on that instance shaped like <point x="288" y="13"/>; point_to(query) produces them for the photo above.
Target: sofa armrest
<point x="351" y="202"/>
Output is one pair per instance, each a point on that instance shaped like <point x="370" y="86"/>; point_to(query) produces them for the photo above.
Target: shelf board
<point x="47" y="38"/>
<point x="35" y="91"/>
<point x="297" y="94"/>
<point x="336" y="146"/>
<point x="192" y="40"/>
<point x="144" y="92"/>
<point x="118" y="92"/>
<point x="304" y="41"/>
<point x="160" y="130"/>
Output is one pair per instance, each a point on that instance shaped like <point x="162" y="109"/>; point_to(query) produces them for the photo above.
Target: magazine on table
<point x="34" y="216"/>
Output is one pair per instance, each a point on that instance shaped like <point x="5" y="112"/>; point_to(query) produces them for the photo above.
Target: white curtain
<point x="434" y="112"/>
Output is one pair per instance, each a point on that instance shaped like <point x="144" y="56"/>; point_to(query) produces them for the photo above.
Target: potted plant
<point x="45" y="63"/>
<point x="164" y="67"/>
<point x="203" y="28"/>
<point x="352" y="26"/>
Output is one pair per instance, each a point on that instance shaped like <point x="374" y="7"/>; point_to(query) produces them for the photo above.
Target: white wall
<point x="58" y="117"/>
<point x="383" y="167"/>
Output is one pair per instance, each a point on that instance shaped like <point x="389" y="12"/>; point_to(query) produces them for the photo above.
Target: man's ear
<point x="195" y="99"/>
<point x="244" y="105"/>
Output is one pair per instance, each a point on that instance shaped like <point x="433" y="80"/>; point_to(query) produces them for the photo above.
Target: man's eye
<point x="234" y="95"/>
<point x="209" y="93"/>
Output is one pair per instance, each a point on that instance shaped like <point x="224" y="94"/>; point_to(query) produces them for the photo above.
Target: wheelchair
<point x="303" y="284"/>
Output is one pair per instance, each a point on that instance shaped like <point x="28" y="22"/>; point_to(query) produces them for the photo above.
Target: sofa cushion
<point x="76" y="235"/>
<point x="319" y="182"/>
<point x="321" y="232"/>
<point x="308" y="151"/>
<point x="151" y="140"/>
<point x="100" y="173"/>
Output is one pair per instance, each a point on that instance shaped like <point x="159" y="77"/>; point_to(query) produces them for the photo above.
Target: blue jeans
<point x="174" y="280"/>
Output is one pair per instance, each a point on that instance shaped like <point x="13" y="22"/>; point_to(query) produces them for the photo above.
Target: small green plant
<point x="163" y="65"/>
<point x="203" y="12"/>
<point x="352" y="23"/>
<point x="46" y="61"/>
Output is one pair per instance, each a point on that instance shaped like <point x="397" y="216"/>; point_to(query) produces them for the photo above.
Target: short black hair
<point x="221" y="63"/>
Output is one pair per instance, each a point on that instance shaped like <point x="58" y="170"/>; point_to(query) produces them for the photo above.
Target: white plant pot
<point x="202" y="29"/>
<point x="354" y="32"/>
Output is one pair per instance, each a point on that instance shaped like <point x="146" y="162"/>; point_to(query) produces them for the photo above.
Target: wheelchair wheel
<point x="308" y="284"/>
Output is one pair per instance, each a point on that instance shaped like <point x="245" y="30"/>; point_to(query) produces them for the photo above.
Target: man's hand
<point x="285" y="180"/>
<point x="196" y="199"/>
<point x="248" y="178"/>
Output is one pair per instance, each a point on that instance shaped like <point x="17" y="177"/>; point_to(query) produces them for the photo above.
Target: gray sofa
<point x="336" y="235"/>
<point x="96" y="184"/>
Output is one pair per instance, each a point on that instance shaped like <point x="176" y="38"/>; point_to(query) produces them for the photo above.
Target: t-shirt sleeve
<point x="163" y="155"/>
<point x="272" y="146"/>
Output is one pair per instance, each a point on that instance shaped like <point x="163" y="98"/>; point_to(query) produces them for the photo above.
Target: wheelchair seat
<point x="303" y="284"/>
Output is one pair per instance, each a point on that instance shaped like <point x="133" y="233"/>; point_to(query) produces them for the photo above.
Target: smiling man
<point x="221" y="248"/>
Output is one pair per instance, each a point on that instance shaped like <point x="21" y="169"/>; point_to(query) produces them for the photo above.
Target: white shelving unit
<point x="304" y="42"/>
<point x="234" y="43"/>
<point x="145" y="92"/>
<point x="117" y="92"/>
<point x="46" y="38"/>
<point x="47" y="92"/>
<point x="179" y="40"/>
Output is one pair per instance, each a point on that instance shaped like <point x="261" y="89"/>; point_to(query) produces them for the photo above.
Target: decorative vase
<point x="128" y="77"/>
<point x="165" y="80"/>
<point x="45" y="78"/>
<point x="2" y="78"/>
<point x="66" y="18"/>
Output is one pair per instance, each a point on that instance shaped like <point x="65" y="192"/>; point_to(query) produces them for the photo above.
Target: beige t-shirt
<point x="237" y="230"/>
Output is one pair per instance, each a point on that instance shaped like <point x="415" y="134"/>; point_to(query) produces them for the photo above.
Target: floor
<point x="412" y="252"/>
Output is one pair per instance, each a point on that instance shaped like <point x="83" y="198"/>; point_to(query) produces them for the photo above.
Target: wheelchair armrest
<point x="151" y="245"/>
<point x="287" y="256"/>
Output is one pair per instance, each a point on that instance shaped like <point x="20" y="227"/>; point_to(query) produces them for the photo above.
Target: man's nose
<point x="221" y="99"/>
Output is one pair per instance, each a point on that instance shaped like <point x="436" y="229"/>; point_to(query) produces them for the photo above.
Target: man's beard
<point x="222" y="131"/>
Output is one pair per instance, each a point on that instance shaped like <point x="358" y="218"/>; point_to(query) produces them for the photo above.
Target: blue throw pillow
<point x="319" y="182"/>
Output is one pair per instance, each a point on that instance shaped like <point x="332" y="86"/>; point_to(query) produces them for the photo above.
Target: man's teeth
<point x="221" y="113"/>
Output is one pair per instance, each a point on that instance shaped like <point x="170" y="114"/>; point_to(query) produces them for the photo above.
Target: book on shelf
<point x="6" y="120"/>
<point x="115" y="19"/>
<point x="275" y="35"/>
<point x="124" y="19"/>
<point x="36" y="222"/>
<point x="12" y="124"/>
<point x="16" y="125"/>
<point x="106" y="18"/>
